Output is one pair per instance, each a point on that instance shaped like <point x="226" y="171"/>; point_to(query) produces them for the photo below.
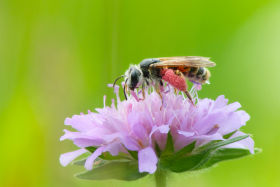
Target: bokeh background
<point x="57" y="56"/>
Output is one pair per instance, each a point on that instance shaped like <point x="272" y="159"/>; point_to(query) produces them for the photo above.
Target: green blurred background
<point x="56" y="57"/>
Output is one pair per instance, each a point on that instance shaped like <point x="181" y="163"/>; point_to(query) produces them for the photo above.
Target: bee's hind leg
<point x="186" y="91"/>
<point x="189" y="96"/>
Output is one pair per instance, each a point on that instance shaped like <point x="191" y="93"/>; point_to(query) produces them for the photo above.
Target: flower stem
<point x="160" y="177"/>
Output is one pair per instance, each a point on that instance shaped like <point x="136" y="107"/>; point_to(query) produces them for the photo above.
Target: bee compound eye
<point x="134" y="78"/>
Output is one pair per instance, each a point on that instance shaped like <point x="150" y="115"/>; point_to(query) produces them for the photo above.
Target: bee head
<point x="134" y="77"/>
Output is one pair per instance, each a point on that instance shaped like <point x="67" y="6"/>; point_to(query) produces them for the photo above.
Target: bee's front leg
<point x="157" y="88"/>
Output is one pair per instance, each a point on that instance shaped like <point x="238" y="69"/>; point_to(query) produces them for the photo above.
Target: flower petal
<point x="164" y="129"/>
<point x="83" y="142"/>
<point x="220" y="102"/>
<point x="234" y="121"/>
<point x="90" y="160"/>
<point x="147" y="160"/>
<point x="130" y="143"/>
<point x="185" y="133"/>
<point x="66" y="158"/>
<point x="80" y="122"/>
<point x="247" y="143"/>
<point x="114" y="148"/>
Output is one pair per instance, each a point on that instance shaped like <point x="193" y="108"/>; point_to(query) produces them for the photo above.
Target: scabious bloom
<point x="155" y="134"/>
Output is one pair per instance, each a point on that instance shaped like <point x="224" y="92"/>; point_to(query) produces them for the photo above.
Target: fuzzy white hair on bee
<point x="134" y="77"/>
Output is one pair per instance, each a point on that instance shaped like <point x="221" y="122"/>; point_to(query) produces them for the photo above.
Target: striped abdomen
<point x="198" y="74"/>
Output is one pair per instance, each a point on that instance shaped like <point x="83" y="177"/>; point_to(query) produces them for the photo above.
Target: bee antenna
<point x="124" y="92"/>
<point x="118" y="78"/>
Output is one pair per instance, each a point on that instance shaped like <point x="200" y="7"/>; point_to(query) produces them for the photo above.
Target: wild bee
<point x="174" y="70"/>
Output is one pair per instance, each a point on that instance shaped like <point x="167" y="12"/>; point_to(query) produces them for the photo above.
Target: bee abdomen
<point x="198" y="74"/>
<point x="192" y="72"/>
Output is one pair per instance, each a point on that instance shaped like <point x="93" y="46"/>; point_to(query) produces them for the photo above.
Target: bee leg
<point x="125" y="89"/>
<point x="186" y="91"/>
<point x="175" y="90"/>
<point x="159" y="93"/>
<point x="143" y="91"/>
<point x="189" y="96"/>
<point x="157" y="87"/>
<point x="161" y="86"/>
<point x="177" y="72"/>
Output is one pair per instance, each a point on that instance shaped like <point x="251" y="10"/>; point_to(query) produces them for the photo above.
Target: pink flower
<point x="140" y="126"/>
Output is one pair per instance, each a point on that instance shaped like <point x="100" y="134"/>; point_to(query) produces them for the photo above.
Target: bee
<point x="174" y="70"/>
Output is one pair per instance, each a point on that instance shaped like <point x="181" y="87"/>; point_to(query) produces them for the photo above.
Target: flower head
<point x="144" y="130"/>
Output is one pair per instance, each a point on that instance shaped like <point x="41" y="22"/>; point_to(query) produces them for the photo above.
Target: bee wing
<point x="186" y="61"/>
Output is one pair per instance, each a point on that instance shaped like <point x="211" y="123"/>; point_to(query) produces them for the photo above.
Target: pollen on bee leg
<point x="177" y="81"/>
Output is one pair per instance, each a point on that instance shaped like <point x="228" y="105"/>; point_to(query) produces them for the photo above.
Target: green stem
<point x="160" y="177"/>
